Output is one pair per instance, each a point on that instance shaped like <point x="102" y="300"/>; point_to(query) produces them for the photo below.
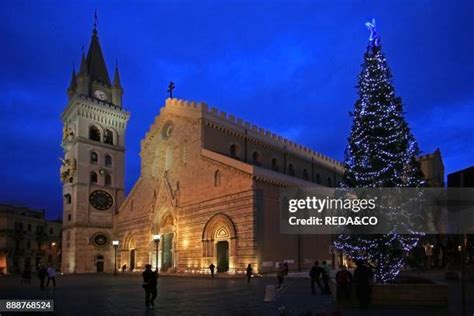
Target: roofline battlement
<point x="265" y="135"/>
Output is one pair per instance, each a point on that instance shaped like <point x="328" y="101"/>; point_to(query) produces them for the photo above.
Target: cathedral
<point x="208" y="190"/>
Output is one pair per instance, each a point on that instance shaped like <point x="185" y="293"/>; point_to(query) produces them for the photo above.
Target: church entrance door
<point x="132" y="259"/>
<point x="99" y="264"/>
<point x="167" y="252"/>
<point x="222" y="248"/>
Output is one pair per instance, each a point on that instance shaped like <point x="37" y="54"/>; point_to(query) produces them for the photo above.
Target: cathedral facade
<point x="208" y="190"/>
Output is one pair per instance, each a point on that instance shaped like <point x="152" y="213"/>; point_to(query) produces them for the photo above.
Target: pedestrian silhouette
<point x="315" y="275"/>
<point x="124" y="268"/>
<point x="212" y="267"/>
<point x="150" y="282"/>
<point x="42" y="273"/>
<point x="280" y="274"/>
<point x="285" y="268"/>
<point x="362" y="278"/>
<point x="51" y="276"/>
<point x="344" y="283"/>
<point x="249" y="272"/>
<point x="326" y="277"/>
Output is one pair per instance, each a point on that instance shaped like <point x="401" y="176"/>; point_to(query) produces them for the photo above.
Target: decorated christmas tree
<point x="381" y="153"/>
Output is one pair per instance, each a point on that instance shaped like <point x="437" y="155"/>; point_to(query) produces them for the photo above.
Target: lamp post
<point x="156" y="239"/>
<point x="115" y="243"/>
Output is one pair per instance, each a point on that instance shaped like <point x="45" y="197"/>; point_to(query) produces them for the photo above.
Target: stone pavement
<point x="104" y="294"/>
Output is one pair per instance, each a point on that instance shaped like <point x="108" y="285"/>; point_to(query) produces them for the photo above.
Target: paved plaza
<point x="105" y="294"/>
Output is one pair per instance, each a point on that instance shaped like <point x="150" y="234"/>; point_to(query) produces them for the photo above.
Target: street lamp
<point x="156" y="239"/>
<point x="115" y="243"/>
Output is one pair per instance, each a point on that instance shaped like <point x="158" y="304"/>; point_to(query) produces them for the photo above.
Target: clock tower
<point x="93" y="166"/>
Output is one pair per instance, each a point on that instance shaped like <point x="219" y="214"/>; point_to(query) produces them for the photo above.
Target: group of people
<point x="345" y="281"/>
<point x="44" y="274"/>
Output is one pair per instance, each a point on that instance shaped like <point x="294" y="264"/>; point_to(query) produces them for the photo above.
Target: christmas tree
<point x="381" y="153"/>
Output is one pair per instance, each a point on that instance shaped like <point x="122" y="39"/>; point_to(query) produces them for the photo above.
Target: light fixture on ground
<point x="156" y="239"/>
<point x="115" y="243"/>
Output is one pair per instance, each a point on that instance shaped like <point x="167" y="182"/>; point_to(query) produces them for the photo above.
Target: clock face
<point x="101" y="200"/>
<point x="100" y="240"/>
<point x="101" y="95"/>
<point x="167" y="130"/>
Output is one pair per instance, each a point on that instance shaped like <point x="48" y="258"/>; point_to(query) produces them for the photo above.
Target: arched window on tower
<point x="217" y="178"/>
<point x="108" y="160"/>
<point x="256" y="158"/>
<point x="94" y="133"/>
<point x="109" y="137"/>
<point x="108" y="180"/>
<point x="234" y="151"/>
<point x="291" y="170"/>
<point x="93" y="177"/>
<point x="274" y="164"/>
<point x="94" y="157"/>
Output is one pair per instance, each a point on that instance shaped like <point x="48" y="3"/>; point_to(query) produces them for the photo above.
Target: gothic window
<point x="217" y="178"/>
<point x="94" y="157"/>
<point x="274" y="164"/>
<point x="109" y="137"/>
<point x="108" y="160"/>
<point x="305" y="174"/>
<point x="256" y="158"/>
<point x="108" y="179"/>
<point x="94" y="133"/>
<point x="67" y="198"/>
<point x="329" y="182"/>
<point x="234" y="151"/>
<point x="93" y="177"/>
<point x="291" y="170"/>
<point x="318" y="178"/>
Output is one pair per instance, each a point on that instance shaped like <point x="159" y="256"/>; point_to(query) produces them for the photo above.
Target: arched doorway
<point x="164" y="225"/>
<point x="99" y="263"/>
<point x="222" y="257"/>
<point x="129" y="252"/>
<point x="219" y="243"/>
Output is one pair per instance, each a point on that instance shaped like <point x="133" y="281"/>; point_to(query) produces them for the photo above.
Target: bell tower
<point x="93" y="166"/>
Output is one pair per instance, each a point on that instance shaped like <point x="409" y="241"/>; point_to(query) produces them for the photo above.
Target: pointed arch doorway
<point x="219" y="243"/>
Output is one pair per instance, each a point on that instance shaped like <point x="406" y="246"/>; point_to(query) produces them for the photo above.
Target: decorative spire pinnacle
<point x="94" y="31"/>
<point x="73" y="82"/>
<point x="117" y="76"/>
<point x="83" y="67"/>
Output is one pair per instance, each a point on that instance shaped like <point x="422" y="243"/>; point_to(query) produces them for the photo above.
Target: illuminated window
<point x="217" y="178"/>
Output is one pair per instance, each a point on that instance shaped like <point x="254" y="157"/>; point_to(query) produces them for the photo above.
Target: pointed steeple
<point x="96" y="66"/>
<point x="73" y="83"/>
<point x="117" y="77"/>
<point x="83" y="68"/>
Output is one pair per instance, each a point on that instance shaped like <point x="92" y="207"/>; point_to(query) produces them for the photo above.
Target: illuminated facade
<point x="208" y="186"/>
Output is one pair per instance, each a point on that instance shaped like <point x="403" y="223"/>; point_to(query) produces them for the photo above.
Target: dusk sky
<point x="288" y="66"/>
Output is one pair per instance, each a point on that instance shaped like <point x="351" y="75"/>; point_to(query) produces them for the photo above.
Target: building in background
<point x="433" y="168"/>
<point x="462" y="179"/>
<point x="27" y="239"/>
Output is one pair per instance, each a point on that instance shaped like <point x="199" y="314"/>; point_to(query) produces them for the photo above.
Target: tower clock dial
<point x="101" y="95"/>
<point x="167" y="130"/>
<point x="101" y="200"/>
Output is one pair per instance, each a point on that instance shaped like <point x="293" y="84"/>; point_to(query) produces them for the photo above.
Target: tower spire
<point x="95" y="23"/>
<point x="96" y="67"/>
<point x="117" y="76"/>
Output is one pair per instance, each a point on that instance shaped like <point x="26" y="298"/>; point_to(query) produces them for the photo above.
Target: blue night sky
<point x="288" y="66"/>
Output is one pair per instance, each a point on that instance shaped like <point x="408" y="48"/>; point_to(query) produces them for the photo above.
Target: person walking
<point x="212" y="267"/>
<point x="150" y="282"/>
<point x="249" y="272"/>
<point x="286" y="268"/>
<point x="280" y="274"/>
<point x="42" y="273"/>
<point x="326" y="277"/>
<point x="315" y="276"/>
<point x="344" y="282"/>
<point x="51" y="276"/>
<point x="363" y="277"/>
